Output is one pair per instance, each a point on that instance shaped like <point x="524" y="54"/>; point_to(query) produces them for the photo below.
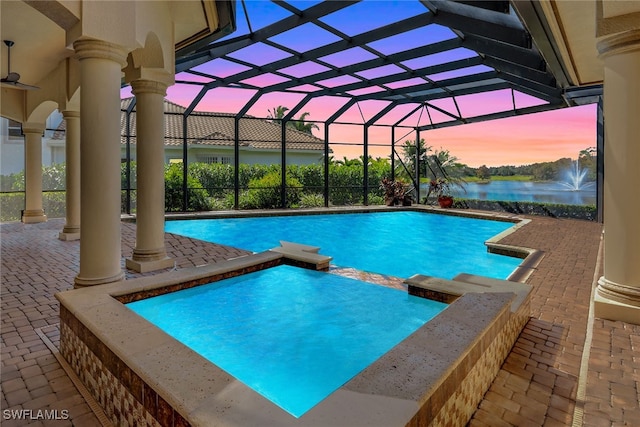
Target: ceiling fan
<point x="13" y="78"/>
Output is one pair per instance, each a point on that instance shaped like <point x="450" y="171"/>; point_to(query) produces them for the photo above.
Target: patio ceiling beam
<point x="530" y="12"/>
<point x="341" y="110"/>
<point x="296" y="108"/>
<point x="335" y="47"/>
<point x="442" y="84"/>
<point x="489" y="47"/>
<point x="494" y="116"/>
<point x="256" y="96"/>
<point x="504" y="27"/>
<point x="406" y="116"/>
<point x="378" y="62"/>
<point x="217" y="50"/>
<point x="515" y="69"/>
<point x="538" y="90"/>
<point x="471" y="90"/>
<point x="443" y="111"/>
<point x="381" y="113"/>
<point x="583" y="95"/>
<point x="499" y="64"/>
<point x="195" y="102"/>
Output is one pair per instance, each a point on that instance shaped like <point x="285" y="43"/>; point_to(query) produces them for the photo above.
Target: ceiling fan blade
<point x="25" y="86"/>
<point x="18" y="85"/>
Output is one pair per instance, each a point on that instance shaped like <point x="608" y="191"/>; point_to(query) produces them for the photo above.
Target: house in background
<point x="210" y="138"/>
<point x="12" y="144"/>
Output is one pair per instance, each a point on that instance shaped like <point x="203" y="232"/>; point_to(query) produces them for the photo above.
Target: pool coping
<point x="108" y="343"/>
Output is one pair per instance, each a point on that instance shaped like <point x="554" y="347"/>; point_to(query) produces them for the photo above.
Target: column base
<point x="611" y="304"/>
<point x="144" y="266"/>
<point x="68" y="236"/>
<point x="33" y="216"/>
<point x="69" y="233"/>
<point x="81" y="282"/>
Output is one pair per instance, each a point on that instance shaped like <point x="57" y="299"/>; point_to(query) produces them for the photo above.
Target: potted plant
<point x="394" y="191"/>
<point x="441" y="189"/>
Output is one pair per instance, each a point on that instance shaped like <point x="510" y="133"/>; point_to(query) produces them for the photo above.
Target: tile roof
<point x="217" y="129"/>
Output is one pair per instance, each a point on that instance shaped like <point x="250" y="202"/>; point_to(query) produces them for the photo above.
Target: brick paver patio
<point x="550" y="378"/>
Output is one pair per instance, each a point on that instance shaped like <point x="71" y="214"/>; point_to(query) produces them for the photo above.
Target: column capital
<point x="92" y="48"/>
<point x="148" y="86"/>
<point x="32" y="127"/>
<point x="70" y="114"/>
<point x="619" y="43"/>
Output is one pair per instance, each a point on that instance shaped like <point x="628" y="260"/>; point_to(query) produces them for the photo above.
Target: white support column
<point x="618" y="292"/>
<point x="71" y="230"/>
<point x="149" y="253"/>
<point x="33" y="211"/>
<point x="100" y="241"/>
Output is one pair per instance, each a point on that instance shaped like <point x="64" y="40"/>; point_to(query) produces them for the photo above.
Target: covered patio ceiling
<point x="419" y="63"/>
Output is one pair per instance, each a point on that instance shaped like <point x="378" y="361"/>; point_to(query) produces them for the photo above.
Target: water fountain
<point x="574" y="178"/>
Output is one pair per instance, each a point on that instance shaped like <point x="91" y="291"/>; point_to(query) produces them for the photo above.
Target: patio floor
<point x="567" y="368"/>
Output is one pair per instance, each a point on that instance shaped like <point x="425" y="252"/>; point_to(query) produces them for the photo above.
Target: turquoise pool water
<point x="293" y="335"/>
<point x="398" y="243"/>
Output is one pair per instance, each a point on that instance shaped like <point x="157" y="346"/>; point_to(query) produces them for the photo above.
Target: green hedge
<point x="12" y="204"/>
<point x="587" y="212"/>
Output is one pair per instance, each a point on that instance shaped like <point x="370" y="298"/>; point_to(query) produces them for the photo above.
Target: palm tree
<point x="408" y="166"/>
<point x="277" y="113"/>
<point x="302" y="126"/>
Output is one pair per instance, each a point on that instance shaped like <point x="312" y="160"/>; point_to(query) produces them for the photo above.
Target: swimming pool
<point x="401" y="243"/>
<point x="293" y="335"/>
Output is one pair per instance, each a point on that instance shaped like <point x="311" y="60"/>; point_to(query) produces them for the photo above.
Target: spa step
<point x="449" y="290"/>
<point x="520" y="289"/>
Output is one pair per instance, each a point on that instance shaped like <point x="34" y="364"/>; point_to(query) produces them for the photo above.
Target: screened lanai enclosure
<point x="339" y="95"/>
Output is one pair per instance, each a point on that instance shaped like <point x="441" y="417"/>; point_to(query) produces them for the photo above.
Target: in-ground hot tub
<point x="142" y="376"/>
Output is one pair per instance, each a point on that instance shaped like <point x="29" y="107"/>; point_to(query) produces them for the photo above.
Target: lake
<point x="526" y="191"/>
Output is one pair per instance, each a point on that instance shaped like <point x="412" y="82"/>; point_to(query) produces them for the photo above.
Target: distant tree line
<point x="543" y="171"/>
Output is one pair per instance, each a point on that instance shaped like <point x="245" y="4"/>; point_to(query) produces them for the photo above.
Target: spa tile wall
<point x="126" y="399"/>
<point x="455" y="401"/>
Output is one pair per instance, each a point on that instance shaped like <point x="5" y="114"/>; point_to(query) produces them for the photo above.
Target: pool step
<point x="298" y="246"/>
<point x="303" y="255"/>
<point x="449" y="290"/>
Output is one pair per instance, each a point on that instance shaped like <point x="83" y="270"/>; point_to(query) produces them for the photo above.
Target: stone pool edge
<point x="425" y="380"/>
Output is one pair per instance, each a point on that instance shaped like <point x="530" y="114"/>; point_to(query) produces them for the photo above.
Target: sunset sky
<point x="526" y="139"/>
<point x="512" y="141"/>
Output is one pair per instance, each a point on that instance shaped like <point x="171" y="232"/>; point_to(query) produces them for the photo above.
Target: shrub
<point x="11" y="204"/>
<point x="264" y="193"/>
<point x="133" y="175"/>
<point x="216" y="178"/>
<point x="197" y="195"/>
<point x="54" y="204"/>
<point x="588" y="212"/>
<point x="345" y="184"/>
<point x="313" y="200"/>
<point x="375" y="199"/>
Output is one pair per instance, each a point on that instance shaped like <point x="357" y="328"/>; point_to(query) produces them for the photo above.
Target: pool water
<point x="398" y="244"/>
<point x="293" y="335"/>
